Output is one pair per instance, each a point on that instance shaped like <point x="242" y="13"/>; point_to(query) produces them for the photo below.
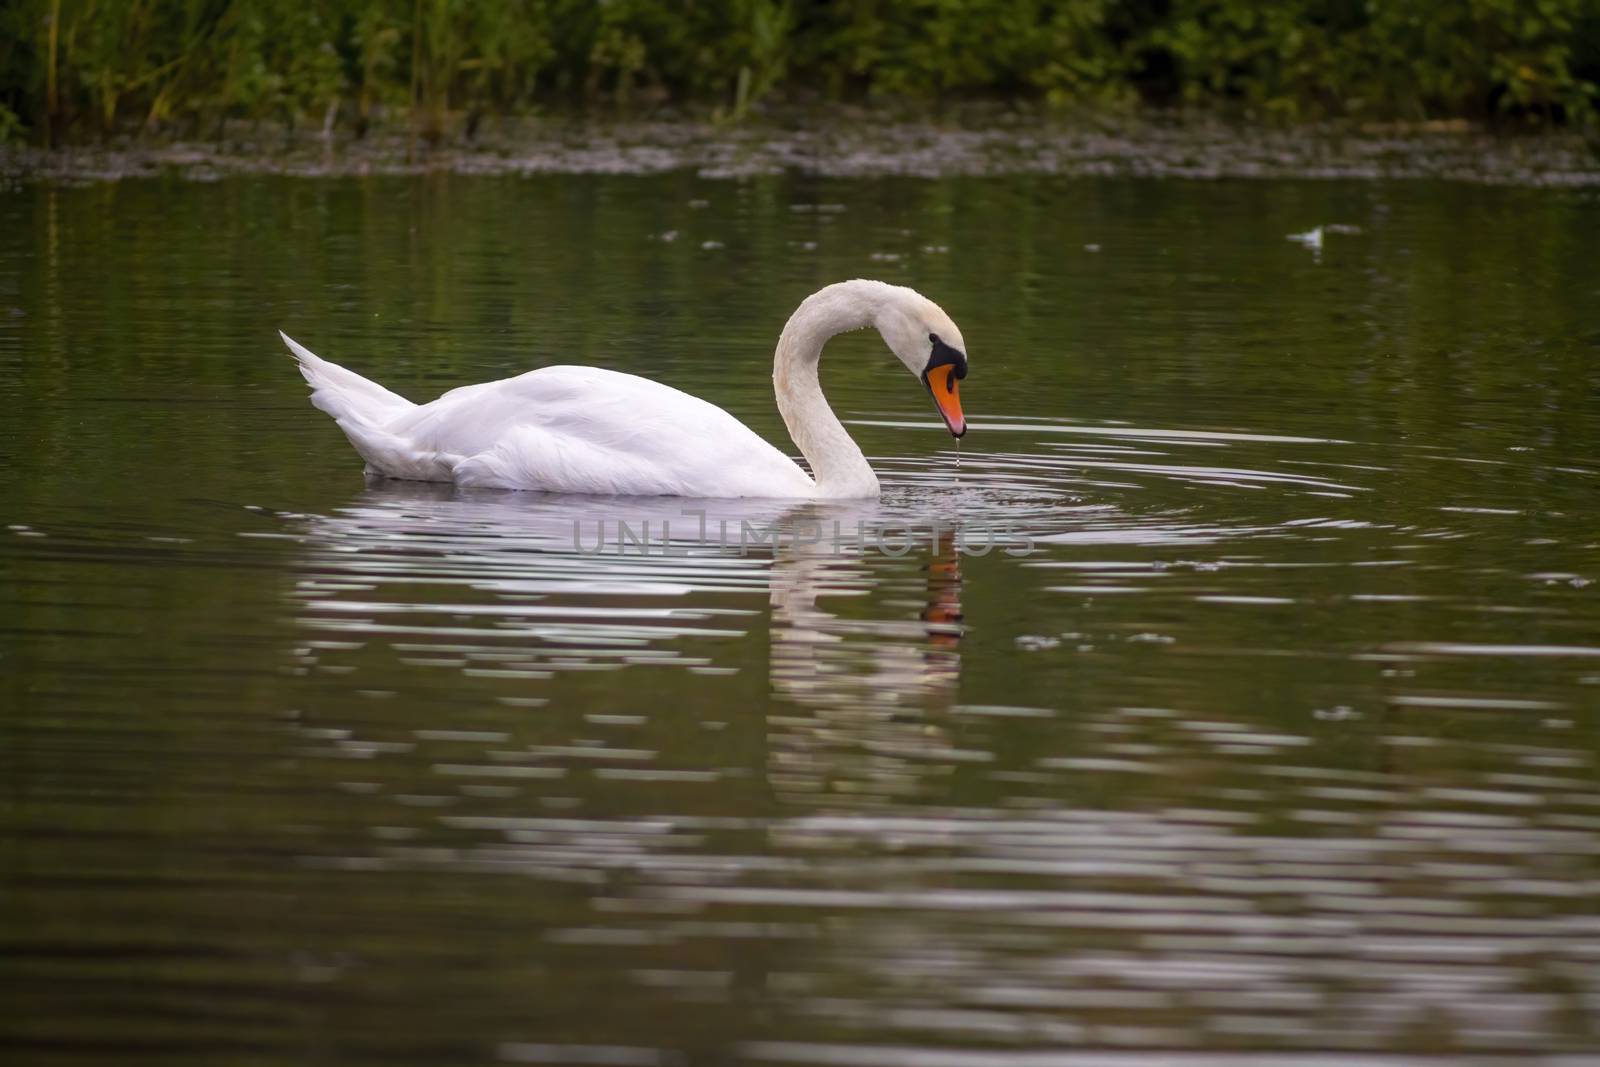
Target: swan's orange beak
<point x="941" y="382"/>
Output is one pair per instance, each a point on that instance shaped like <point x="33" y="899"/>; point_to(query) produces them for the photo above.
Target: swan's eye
<point x="944" y="354"/>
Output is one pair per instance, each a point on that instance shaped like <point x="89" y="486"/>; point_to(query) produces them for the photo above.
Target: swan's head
<point x="928" y="343"/>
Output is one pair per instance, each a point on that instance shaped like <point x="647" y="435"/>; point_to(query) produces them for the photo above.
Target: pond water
<point x="1281" y="738"/>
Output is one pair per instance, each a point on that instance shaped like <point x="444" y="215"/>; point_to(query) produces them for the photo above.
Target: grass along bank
<point x="73" y="71"/>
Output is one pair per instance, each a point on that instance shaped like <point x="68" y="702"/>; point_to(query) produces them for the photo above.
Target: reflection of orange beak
<point x="941" y="382"/>
<point x="943" y="613"/>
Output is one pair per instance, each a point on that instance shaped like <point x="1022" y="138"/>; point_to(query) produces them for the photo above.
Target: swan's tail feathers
<point x="351" y="399"/>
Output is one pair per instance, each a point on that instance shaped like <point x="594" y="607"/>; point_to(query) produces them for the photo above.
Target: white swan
<point x="588" y="430"/>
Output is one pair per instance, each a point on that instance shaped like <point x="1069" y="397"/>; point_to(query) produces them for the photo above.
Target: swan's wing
<point x="588" y="430"/>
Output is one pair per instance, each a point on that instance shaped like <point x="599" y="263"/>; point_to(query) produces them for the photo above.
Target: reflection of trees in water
<point x="862" y="689"/>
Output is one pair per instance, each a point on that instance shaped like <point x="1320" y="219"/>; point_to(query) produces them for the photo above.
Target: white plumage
<point x="589" y="430"/>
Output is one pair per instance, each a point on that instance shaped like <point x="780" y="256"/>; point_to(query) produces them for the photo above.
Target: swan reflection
<point x="867" y="690"/>
<point x="510" y="590"/>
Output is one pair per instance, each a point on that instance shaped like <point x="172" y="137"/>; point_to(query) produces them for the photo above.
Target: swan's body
<point x="569" y="430"/>
<point x="588" y="430"/>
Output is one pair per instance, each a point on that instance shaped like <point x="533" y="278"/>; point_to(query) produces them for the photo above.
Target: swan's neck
<point x="836" y="461"/>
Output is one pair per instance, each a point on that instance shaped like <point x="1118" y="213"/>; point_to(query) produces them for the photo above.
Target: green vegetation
<point x="79" y="68"/>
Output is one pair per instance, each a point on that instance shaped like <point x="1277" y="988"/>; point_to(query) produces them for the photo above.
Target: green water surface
<point x="1282" y="739"/>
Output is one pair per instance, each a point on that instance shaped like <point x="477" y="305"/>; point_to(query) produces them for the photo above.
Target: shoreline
<point x="834" y="147"/>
